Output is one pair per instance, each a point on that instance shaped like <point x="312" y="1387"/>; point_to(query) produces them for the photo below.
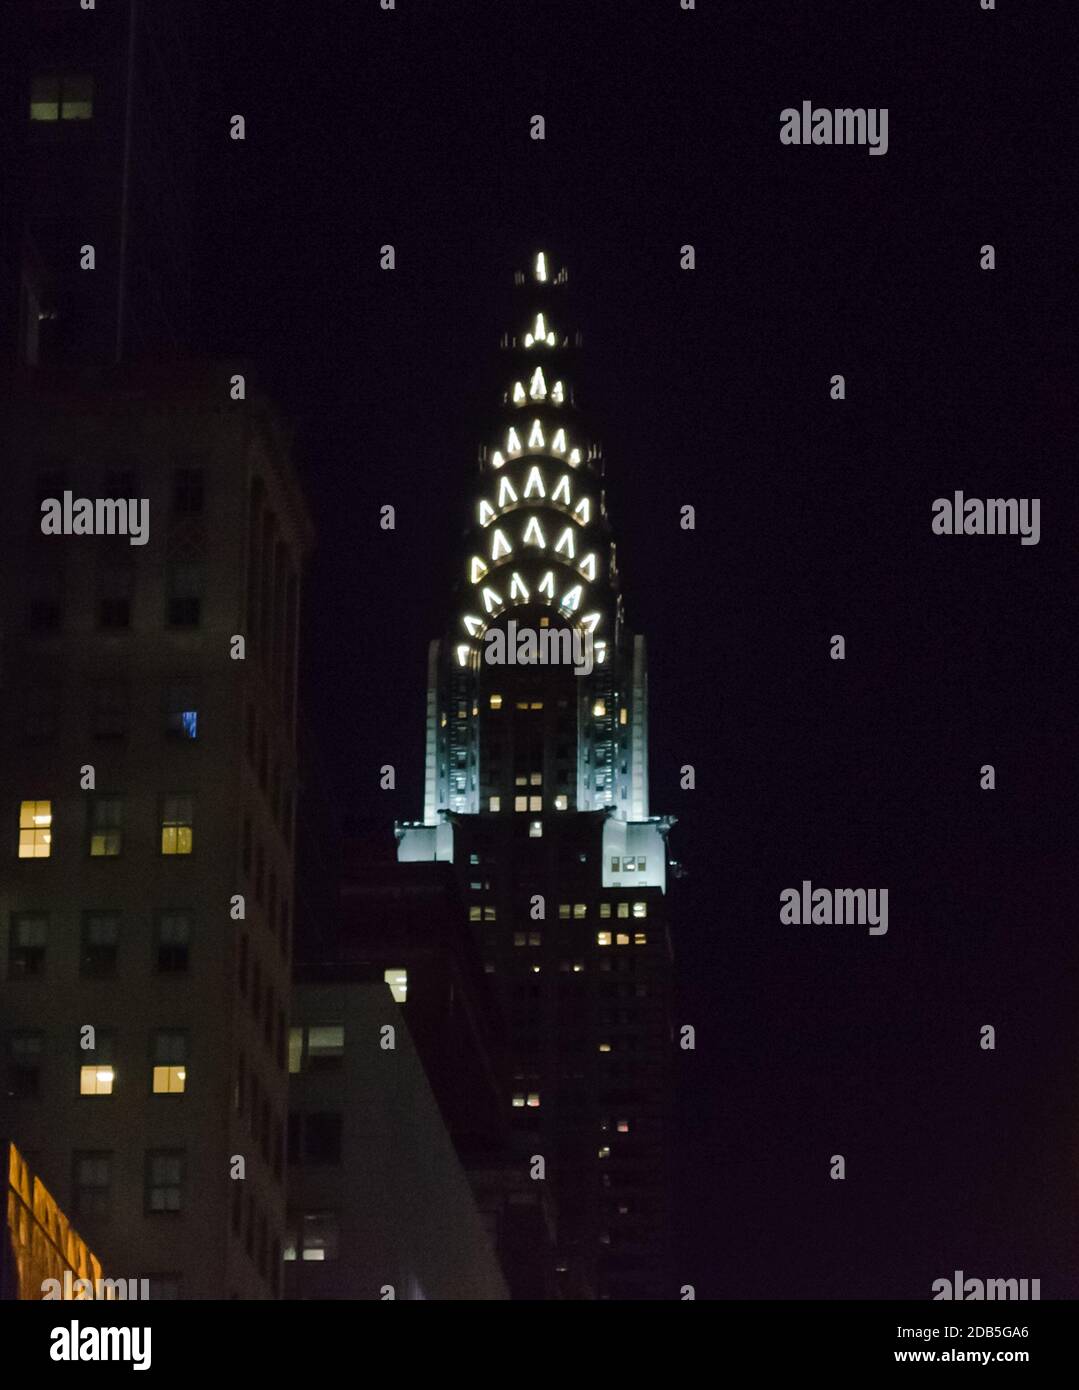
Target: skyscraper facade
<point x="536" y="789"/>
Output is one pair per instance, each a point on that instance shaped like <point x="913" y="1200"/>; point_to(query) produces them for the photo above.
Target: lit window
<point x="475" y="913"/>
<point x="599" y="709"/>
<point x="106" y="826"/>
<point x="397" y="979"/>
<point x="630" y="864"/>
<point x="181" y="712"/>
<point x="563" y="910"/>
<point x="623" y="909"/>
<point x="580" y="910"/>
<point x="535" y="830"/>
<point x="326" y="1041"/>
<point x="519" y="938"/>
<point x="621" y="939"/>
<point x="578" y="966"/>
<point x="623" y="1126"/>
<point x="495" y="803"/>
<point x="605" y="1152"/>
<point x="621" y="716"/>
<point x="536" y="704"/>
<point x="496" y="701"/>
<point x="640" y="939"/>
<point x="561" y="802"/>
<point x="320" y="1236"/>
<point x="170" y="1063"/>
<point x="295" y="1050"/>
<point x="66" y="98"/>
<point x="536" y="779"/>
<point x="489" y="914"/>
<point x="520" y="803"/>
<point x="96" y="1077"/>
<point x="177" y="825"/>
<point x="605" y="1047"/>
<point x="520" y="781"/>
<point x="533" y="1100"/>
<point x="640" y="909"/>
<point x="535" y="803"/>
<point x="535" y="938"/>
<point x="35" y="829"/>
<point x="604" y="909"/>
<point x="519" y="1100"/>
<point x="603" y="938"/>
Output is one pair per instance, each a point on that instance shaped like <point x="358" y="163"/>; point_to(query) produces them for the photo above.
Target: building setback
<point x="536" y="790"/>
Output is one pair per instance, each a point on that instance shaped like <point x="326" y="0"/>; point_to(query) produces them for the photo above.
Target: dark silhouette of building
<point x="98" y="123"/>
<point x="536" y="791"/>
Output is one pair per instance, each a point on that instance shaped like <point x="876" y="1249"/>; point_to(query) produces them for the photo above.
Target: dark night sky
<point x="711" y="388"/>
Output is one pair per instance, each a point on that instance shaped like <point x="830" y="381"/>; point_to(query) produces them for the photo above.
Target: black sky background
<point x="813" y="518"/>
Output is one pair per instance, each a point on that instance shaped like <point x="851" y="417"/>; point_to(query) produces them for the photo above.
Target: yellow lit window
<point x="640" y="909"/>
<point x="561" y="802"/>
<point x="622" y="939"/>
<point x="295" y="1050"/>
<point x="96" y="1079"/>
<point x="475" y="913"/>
<point x="520" y="781"/>
<point x="170" y="1063"/>
<point x="536" y="778"/>
<point x="522" y="704"/>
<point x="580" y="910"/>
<point x="535" y="803"/>
<point x="603" y="938"/>
<point x="536" y="704"/>
<point x="496" y="701"/>
<point x="640" y="939"/>
<point x="563" y="910"/>
<point x="605" y="1047"/>
<point x="578" y="966"/>
<point x="35" y="829"/>
<point x="536" y="969"/>
<point x="495" y="803"/>
<point x="397" y="979"/>
<point x="604" y="1152"/>
<point x="489" y="914"/>
<point x="520" y="803"/>
<point x="621" y="716"/>
<point x="169" y="1080"/>
<point x="604" y="909"/>
<point x="519" y="1100"/>
<point x="599" y="709"/>
<point x="177" y="825"/>
<point x="623" y="909"/>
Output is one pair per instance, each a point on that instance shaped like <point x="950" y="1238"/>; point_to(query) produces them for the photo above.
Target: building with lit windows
<point x="536" y="790"/>
<point x="147" y="797"/>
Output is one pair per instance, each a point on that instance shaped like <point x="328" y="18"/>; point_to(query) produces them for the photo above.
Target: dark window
<point x="91" y="1186"/>
<point x="100" y="943"/>
<point x="174" y="942"/>
<point x="184" y="595"/>
<point x="164" y="1180"/>
<point x="187" y="491"/>
<point x="26" y="948"/>
<point x="111" y="705"/>
<point x="25" y="1058"/>
<point x="322" y="1138"/>
<point x="106" y="826"/>
<point x="62" y="97"/>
